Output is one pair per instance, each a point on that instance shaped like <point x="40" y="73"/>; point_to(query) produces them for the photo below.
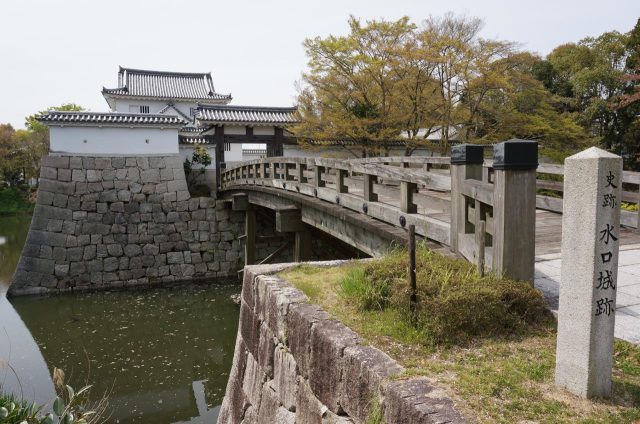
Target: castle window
<point x="144" y="109"/>
<point x="227" y="147"/>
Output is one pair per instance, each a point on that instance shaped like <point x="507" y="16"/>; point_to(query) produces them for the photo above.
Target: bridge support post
<point x="250" y="237"/>
<point x="514" y="208"/>
<point x="407" y="190"/>
<point x="302" y="248"/>
<point x="466" y="163"/>
<point x="300" y="169"/>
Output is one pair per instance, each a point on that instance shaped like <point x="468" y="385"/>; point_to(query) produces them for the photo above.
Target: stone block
<point x="64" y="174"/>
<point x="49" y="173"/>
<point x="55" y="161"/>
<point x="79" y="175"/>
<point x="365" y="369"/>
<point x="118" y="162"/>
<point x="131" y="250"/>
<point x="284" y="377"/>
<point x="54" y="225"/>
<point x="60" y="200"/>
<point x="150" y="176"/>
<point x="328" y="340"/>
<point x="89" y="252"/>
<point x="61" y="187"/>
<point x="175" y="258"/>
<point x="44" y="198"/>
<point x="61" y="270"/>
<point x="416" y="401"/>
<point x="110" y="264"/>
<point x="75" y="162"/>
<point x="103" y="163"/>
<point x="309" y="409"/>
<point x="115" y="250"/>
<point x="254" y="379"/>
<point x="300" y="319"/>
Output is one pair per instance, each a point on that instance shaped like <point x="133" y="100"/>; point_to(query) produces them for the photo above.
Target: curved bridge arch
<point x="366" y="205"/>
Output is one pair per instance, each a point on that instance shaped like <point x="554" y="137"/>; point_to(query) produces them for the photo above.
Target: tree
<point x="386" y="81"/>
<point x="195" y="167"/>
<point x="22" y="150"/>
<point x="351" y="91"/>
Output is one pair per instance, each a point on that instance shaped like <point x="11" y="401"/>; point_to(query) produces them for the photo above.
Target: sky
<point x="63" y="51"/>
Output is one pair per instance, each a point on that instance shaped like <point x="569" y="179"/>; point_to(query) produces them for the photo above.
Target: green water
<point x="162" y="356"/>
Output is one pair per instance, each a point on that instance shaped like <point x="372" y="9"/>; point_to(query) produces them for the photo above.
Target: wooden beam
<point x="250" y="233"/>
<point x="288" y="220"/>
<point x="303" y="249"/>
<point x="239" y="202"/>
<point x="341" y="187"/>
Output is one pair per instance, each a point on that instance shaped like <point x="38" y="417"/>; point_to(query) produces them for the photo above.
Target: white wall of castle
<point x="113" y="140"/>
<point x="155" y="106"/>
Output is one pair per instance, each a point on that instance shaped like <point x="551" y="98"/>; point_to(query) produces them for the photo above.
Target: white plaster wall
<point x="235" y="130"/>
<point x="235" y="154"/>
<point x="113" y="140"/>
<point x="263" y="131"/>
<point x="155" y="106"/>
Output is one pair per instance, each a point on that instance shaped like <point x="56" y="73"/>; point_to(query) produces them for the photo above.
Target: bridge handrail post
<point x="407" y="189"/>
<point x="466" y="163"/>
<point x="300" y="169"/>
<point x="369" y="182"/>
<point x="272" y="171"/>
<point x="514" y="208"/>
<point x="317" y="173"/>
<point x="341" y="187"/>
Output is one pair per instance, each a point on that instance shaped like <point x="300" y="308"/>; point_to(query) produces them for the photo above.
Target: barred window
<point x="227" y="147"/>
<point x="144" y="109"/>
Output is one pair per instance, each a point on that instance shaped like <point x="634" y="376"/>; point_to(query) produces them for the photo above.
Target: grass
<point x="502" y="373"/>
<point x="14" y="201"/>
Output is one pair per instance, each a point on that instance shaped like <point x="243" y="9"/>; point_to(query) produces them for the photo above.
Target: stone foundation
<point x="294" y="364"/>
<point x="104" y="222"/>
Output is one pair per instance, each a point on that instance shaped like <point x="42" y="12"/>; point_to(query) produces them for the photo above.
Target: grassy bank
<point x="14" y="201"/>
<point x="486" y="341"/>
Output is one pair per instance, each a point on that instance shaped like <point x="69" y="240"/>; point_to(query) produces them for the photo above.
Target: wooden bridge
<point x="498" y="213"/>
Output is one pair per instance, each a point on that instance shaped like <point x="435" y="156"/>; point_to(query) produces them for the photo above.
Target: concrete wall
<point x="294" y="364"/>
<point x="113" y="140"/>
<point x="104" y="222"/>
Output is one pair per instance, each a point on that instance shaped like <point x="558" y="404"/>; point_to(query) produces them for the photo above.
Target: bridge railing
<point x="397" y="196"/>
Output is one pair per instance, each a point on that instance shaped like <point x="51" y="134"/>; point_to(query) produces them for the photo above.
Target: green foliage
<point x="195" y="168"/>
<point x="69" y="407"/>
<point x="15" y="200"/>
<point x="21" y="150"/>
<point x="455" y="304"/>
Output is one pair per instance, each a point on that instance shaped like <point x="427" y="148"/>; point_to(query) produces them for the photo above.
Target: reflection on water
<point x="13" y="233"/>
<point x="163" y="355"/>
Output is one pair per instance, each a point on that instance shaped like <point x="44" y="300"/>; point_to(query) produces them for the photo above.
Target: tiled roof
<point x="246" y="114"/>
<point x="165" y="85"/>
<point x="111" y="118"/>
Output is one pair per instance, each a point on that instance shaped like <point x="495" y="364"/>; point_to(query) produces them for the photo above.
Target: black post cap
<point x="467" y="154"/>
<point x="515" y="154"/>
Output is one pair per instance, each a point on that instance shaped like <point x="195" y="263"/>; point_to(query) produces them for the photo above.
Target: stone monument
<point x="590" y="232"/>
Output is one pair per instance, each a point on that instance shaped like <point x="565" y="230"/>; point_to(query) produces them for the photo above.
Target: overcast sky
<point x="62" y="51"/>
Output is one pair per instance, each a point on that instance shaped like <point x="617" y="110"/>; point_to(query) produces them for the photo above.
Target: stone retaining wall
<point x="294" y="364"/>
<point x="103" y="222"/>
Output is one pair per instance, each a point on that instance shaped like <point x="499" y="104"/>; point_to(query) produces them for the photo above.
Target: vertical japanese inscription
<point x="607" y="245"/>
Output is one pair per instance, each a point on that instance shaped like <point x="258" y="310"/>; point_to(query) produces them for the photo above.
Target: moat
<point x="160" y="355"/>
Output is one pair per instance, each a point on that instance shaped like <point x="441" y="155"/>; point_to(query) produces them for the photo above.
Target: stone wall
<point x="103" y="222"/>
<point x="294" y="364"/>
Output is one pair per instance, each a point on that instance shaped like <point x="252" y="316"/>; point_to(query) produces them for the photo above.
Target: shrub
<point x="455" y="304"/>
<point x="15" y="200"/>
